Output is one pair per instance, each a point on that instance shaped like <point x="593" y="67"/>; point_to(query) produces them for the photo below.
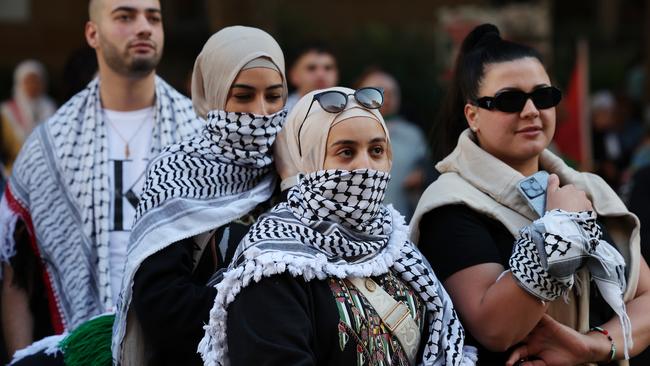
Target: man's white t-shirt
<point x="126" y="177"/>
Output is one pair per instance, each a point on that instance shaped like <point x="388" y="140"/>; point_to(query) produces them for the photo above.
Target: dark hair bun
<point x="481" y="36"/>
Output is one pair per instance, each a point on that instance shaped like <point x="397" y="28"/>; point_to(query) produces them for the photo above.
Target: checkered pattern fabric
<point x="199" y="185"/>
<point x="232" y="155"/>
<point x="549" y="252"/>
<point x="333" y="225"/>
<point x="60" y="183"/>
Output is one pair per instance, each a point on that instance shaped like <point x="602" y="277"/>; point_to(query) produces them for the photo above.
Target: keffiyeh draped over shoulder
<point x="203" y="183"/>
<point x="316" y="242"/>
<point x="333" y="225"/>
<point x="60" y="190"/>
<point x="199" y="185"/>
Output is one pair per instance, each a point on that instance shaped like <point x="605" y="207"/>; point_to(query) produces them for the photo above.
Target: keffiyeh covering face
<point x="212" y="179"/>
<point x="232" y="155"/>
<point x="346" y="202"/>
<point x="334" y="225"/>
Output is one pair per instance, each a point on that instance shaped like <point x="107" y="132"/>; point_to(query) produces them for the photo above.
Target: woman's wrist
<point x="602" y="348"/>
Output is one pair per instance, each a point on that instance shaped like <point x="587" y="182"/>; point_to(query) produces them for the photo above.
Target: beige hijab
<point x="223" y="56"/>
<point x="313" y="135"/>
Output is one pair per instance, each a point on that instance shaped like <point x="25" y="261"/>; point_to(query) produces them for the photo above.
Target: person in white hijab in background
<point x="28" y="106"/>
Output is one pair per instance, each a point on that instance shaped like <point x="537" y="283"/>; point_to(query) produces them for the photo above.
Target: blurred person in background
<point x="616" y="135"/>
<point x="637" y="192"/>
<point x="80" y="68"/>
<point x="314" y="67"/>
<point x="411" y="160"/>
<point x="637" y="197"/>
<point x="28" y="106"/>
<point x="607" y="150"/>
<point x="67" y="212"/>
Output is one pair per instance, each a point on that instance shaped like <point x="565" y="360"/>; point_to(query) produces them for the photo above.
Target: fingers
<point x="533" y="363"/>
<point x="547" y="319"/>
<point x="568" y="198"/>
<point x="518" y="354"/>
<point x="553" y="183"/>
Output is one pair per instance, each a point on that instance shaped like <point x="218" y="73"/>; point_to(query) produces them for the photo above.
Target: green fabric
<point x="89" y="343"/>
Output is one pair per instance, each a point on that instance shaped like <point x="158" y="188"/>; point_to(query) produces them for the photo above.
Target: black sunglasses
<point x="511" y="101"/>
<point x="335" y="101"/>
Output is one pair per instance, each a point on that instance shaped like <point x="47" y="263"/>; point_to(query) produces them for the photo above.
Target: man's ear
<point x="471" y="115"/>
<point x="90" y="32"/>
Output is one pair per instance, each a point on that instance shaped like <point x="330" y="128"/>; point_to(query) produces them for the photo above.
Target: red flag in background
<point x="572" y="133"/>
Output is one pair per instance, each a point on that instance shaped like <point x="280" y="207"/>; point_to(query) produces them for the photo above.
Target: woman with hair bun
<point x="563" y="285"/>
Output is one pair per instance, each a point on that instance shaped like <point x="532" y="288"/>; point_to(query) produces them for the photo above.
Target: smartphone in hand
<point x="533" y="189"/>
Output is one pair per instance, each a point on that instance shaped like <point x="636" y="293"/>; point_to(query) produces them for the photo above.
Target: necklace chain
<point x="127" y="151"/>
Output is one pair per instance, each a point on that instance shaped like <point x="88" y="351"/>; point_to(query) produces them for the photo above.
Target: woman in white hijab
<point x="28" y="106"/>
<point x="199" y="199"/>
<point x="329" y="277"/>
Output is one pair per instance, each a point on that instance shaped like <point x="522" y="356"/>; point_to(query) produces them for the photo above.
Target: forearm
<point x="17" y="320"/>
<point x="507" y="314"/>
<point x="498" y="313"/>
<point x="637" y="310"/>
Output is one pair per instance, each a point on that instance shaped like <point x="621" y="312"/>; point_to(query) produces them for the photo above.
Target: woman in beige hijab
<point x="329" y="277"/>
<point x="200" y="198"/>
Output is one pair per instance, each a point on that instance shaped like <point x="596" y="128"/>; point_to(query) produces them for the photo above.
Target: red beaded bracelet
<point x="612" y="350"/>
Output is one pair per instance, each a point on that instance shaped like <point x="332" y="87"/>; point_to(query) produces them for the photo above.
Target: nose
<point x="261" y="106"/>
<point x="144" y="27"/>
<point x="529" y="111"/>
<point x="362" y="161"/>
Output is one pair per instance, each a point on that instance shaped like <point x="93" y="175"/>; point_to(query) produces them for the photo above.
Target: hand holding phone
<point x="567" y="198"/>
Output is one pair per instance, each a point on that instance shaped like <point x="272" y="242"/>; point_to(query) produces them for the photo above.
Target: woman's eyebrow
<point x="378" y="139"/>
<point x="509" y="88"/>
<point x="243" y="86"/>
<point x="344" y="142"/>
<point x="538" y="86"/>
<point x="276" y="86"/>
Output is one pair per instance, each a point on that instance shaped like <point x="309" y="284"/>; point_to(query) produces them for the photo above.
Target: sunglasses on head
<point x="511" y="101"/>
<point x="335" y="101"/>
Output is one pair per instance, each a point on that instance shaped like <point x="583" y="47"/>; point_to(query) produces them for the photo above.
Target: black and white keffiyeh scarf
<point x="232" y="155"/>
<point x="199" y="185"/>
<point x="60" y="190"/>
<point x="549" y="252"/>
<point x="333" y="225"/>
